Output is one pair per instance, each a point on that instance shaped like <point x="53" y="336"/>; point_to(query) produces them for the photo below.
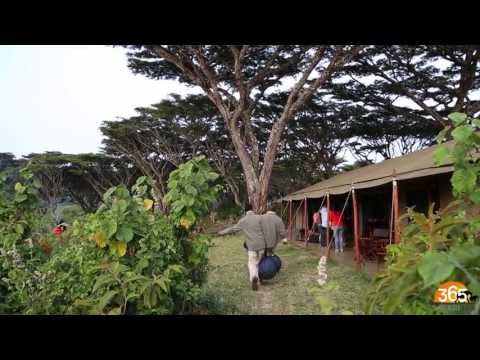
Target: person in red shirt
<point x="336" y="221"/>
<point x="59" y="230"/>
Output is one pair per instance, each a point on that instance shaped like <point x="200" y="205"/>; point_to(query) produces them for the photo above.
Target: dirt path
<point x="293" y="291"/>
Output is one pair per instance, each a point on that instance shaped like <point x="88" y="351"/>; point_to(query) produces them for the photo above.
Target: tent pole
<point x="328" y="225"/>
<point x="396" y="212"/>
<point x="355" y="228"/>
<point x="305" y="219"/>
<point x="392" y="212"/>
<point x="290" y="220"/>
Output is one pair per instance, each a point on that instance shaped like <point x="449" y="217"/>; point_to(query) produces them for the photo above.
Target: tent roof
<point x="416" y="164"/>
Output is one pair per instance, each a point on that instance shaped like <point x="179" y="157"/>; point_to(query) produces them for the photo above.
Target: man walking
<point x="255" y="244"/>
<point x="273" y="229"/>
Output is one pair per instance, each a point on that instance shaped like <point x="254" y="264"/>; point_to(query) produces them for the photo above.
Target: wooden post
<point x="392" y="212"/>
<point x="355" y="229"/>
<point x="305" y="218"/>
<point x="290" y="221"/>
<point x="396" y="212"/>
<point x="328" y="225"/>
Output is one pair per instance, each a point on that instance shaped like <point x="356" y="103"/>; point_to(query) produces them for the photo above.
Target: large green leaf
<point x="120" y="206"/>
<point x="465" y="253"/>
<point x="110" y="228"/>
<point x="457" y="118"/>
<point x="435" y="268"/>
<point x="19" y="188"/>
<point x="190" y="190"/>
<point x="189" y="200"/>
<point x="147" y="204"/>
<point x="475" y="196"/>
<point x="212" y="176"/>
<point x="122" y="193"/>
<point x="441" y="155"/>
<point x="464" y="180"/>
<point x="462" y="133"/>
<point x="124" y="233"/>
<point x="21" y="198"/>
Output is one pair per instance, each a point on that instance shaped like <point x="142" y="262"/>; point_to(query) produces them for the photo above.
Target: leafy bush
<point x="124" y="258"/>
<point x="190" y="194"/>
<point x="441" y="246"/>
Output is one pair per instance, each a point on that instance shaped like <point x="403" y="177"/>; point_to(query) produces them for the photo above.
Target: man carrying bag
<point x="255" y="243"/>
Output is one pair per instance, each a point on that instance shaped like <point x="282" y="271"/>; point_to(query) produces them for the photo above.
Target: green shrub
<point x="441" y="246"/>
<point x="124" y="258"/>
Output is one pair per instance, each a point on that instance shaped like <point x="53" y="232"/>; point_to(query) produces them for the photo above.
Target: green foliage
<point x="190" y="192"/>
<point x="70" y="213"/>
<point x="18" y="210"/>
<point x="124" y="258"/>
<point x="441" y="246"/>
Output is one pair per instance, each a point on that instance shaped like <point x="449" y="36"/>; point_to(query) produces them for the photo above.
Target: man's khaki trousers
<point x="254" y="258"/>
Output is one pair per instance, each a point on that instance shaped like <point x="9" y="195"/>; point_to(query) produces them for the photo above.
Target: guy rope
<point x="341" y="214"/>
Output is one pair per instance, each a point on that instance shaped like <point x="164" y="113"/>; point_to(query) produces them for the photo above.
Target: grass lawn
<point x="294" y="291"/>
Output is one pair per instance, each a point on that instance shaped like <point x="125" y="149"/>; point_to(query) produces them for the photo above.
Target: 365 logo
<point x="453" y="292"/>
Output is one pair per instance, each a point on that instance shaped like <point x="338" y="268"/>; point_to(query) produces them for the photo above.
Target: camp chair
<point x="380" y="240"/>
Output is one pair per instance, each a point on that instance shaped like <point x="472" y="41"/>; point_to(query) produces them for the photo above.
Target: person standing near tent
<point x="324" y="225"/>
<point x="317" y="225"/>
<point x="251" y="226"/>
<point x="337" y="227"/>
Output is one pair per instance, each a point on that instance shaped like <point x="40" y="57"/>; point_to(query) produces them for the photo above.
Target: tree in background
<point x="407" y="93"/>
<point x="88" y="176"/>
<point x="82" y="178"/>
<point x="48" y="168"/>
<point x="173" y="131"/>
<point x="238" y="78"/>
<point x="10" y="168"/>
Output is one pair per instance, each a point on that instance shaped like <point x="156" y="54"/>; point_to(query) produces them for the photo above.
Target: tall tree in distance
<point x="49" y="169"/>
<point x="434" y="80"/>
<point x="238" y="78"/>
<point x="168" y="133"/>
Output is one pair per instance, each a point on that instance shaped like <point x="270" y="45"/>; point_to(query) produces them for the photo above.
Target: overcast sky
<point x="54" y="98"/>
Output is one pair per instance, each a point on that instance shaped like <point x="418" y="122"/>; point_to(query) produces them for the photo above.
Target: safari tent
<point x="372" y="199"/>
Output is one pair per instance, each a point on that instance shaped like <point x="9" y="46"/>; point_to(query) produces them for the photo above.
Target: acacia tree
<point x="435" y="80"/>
<point x="132" y="139"/>
<point x="49" y="168"/>
<point x="201" y="129"/>
<point x="168" y="133"/>
<point x="236" y="79"/>
<point x="9" y="168"/>
<point x="88" y="176"/>
<point x="389" y="136"/>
